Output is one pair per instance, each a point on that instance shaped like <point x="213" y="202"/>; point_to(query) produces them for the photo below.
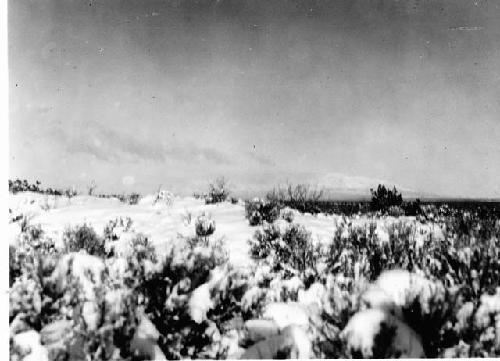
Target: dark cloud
<point x="110" y="145"/>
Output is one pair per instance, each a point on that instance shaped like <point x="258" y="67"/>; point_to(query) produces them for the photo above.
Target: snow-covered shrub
<point x="18" y="185"/>
<point x="377" y="334"/>
<point x="204" y="226"/>
<point x="15" y="268"/>
<point x="133" y="198"/>
<point x="338" y="304"/>
<point x="101" y="310"/>
<point x="32" y="254"/>
<point x="186" y="217"/>
<point x="258" y="211"/>
<point x="291" y="248"/>
<point x="31" y="262"/>
<point x="33" y="231"/>
<point x="142" y="248"/>
<point x="84" y="238"/>
<point x="287" y="214"/>
<point x="70" y="192"/>
<point x="395" y="211"/>
<point x="167" y="294"/>
<point x="137" y="263"/>
<point x="355" y="252"/>
<point x="25" y="300"/>
<point x="217" y="191"/>
<point x="91" y="187"/>
<point x="112" y="337"/>
<point x="100" y="325"/>
<point x="302" y="197"/>
<point x="116" y="227"/>
<point x="291" y="342"/>
<point x="191" y="299"/>
<point x="165" y="197"/>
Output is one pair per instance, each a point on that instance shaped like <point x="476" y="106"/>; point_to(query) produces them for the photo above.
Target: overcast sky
<point x="139" y="93"/>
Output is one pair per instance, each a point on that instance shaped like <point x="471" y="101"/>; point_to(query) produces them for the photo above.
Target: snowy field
<point x="162" y="223"/>
<point x="303" y="286"/>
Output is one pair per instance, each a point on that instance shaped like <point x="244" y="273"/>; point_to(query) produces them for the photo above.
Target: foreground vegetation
<point x="424" y="287"/>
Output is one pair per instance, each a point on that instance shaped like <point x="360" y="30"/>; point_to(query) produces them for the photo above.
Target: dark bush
<point x="383" y="198"/>
<point x="258" y="211"/>
<point x="204" y="226"/>
<point x="84" y="238"/>
<point x="167" y="293"/>
<point x="24" y="186"/>
<point x="217" y="191"/>
<point x="14" y="267"/>
<point x="291" y="248"/>
<point x="133" y="198"/>
<point x="301" y="197"/>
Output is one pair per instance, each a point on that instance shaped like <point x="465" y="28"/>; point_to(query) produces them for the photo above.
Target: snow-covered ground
<point x="161" y="222"/>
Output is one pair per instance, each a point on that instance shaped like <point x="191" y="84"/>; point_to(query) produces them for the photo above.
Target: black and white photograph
<point x="252" y="179"/>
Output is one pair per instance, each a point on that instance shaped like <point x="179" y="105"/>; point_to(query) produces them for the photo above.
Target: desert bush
<point x="84" y="238"/>
<point x="31" y="261"/>
<point x="395" y="211"/>
<point x="175" y="291"/>
<point x="114" y="228"/>
<point x="35" y="303"/>
<point x="287" y="215"/>
<point x="338" y="306"/>
<point x="19" y="185"/>
<point x="14" y="267"/>
<point x="25" y="299"/>
<point x="464" y="264"/>
<point x="383" y="198"/>
<point x="412" y="208"/>
<point x="204" y="226"/>
<point x="197" y="195"/>
<point x="259" y="211"/>
<point x="358" y="252"/>
<point x="112" y="338"/>
<point x="186" y="217"/>
<point x="133" y="198"/>
<point x="217" y="191"/>
<point x="164" y="196"/>
<point x="430" y="321"/>
<point x="302" y="197"/>
<point x="290" y="248"/>
<point x="23" y="186"/>
<point x="14" y="217"/>
<point x="70" y="192"/>
<point x="32" y="253"/>
<point x="348" y="253"/>
<point x="25" y="222"/>
<point x="143" y="249"/>
<point x="91" y="187"/>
